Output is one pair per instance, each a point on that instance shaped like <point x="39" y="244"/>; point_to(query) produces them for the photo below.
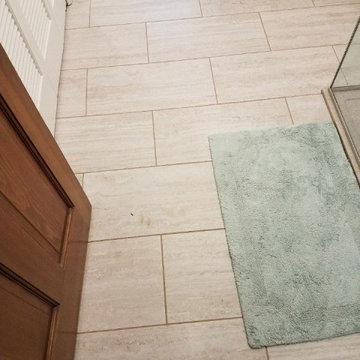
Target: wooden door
<point x="44" y="224"/>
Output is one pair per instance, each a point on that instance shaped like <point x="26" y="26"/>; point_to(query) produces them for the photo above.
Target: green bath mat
<point x="291" y="208"/>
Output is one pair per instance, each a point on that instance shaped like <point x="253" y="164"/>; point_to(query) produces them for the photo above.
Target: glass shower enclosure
<point x="345" y="90"/>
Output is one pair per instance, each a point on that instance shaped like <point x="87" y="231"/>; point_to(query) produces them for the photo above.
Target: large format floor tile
<point x="307" y="109"/>
<point x="213" y="340"/>
<point x="182" y="134"/>
<point x="221" y="7"/>
<point x="123" y="285"/>
<point x="152" y="201"/>
<point x="273" y="74"/>
<point x="72" y="93"/>
<point x="107" y="12"/>
<point x="199" y="279"/>
<point x="77" y="15"/>
<point x="107" y="142"/>
<point x="205" y="37"/>
<point x="150" y="86"/>
<point x="344" y="348"/>
<point x="105" y="46"/>
<point x="310" y="27"/>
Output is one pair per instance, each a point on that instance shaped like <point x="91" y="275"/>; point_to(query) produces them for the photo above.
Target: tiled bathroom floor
<point x="144" y="82"/>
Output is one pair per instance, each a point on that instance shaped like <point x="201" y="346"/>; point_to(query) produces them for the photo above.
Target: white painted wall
<point x="32" y="34"/>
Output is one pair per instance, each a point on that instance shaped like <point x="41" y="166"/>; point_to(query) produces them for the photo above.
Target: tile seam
<point x="204" y="57"/>
<point x="265" y="33"/>
<point x="143" y="167"/>
<point x="288" y="107"/>
<point x="159" y="234"/>
<point x="213" y="81"/>
<point x="209" y="16"/>
<point x="159" y="325"/>
<point x="202" y="15"/>
<point x="147" y="44"/>
<point x="191" y="106"/>
<point x="86" y="92"/>
<point x="89" y="22"/>
<point x="164" y="279"/>
<point x="154" y="137"/>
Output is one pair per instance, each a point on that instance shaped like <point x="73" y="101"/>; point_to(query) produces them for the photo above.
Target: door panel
<point x="44" y="225"/>
<point x="27" y="193"/>
<point x="22" y="250"/>
<point x="29" y="320"/>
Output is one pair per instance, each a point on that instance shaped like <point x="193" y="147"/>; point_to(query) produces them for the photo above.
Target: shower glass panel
<point x="346" y="89"/>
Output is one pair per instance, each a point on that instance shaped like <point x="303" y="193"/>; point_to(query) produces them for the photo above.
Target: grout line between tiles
<point x="211" y="16"/>
<point x="266" y="36"/>
<point x="146" y="167"/>
<point x="204" y="57"/>
<point x="213" y="80"/>
<point x="148" y="21"/>
<point x="202" y="15"/>
<point x="192" y="106"/>
<point x="164" y="281"/>
<point x="154" y="137"/>
<point x="159" y="325"/>
<point x="86" y="92"/>
<point x="89" y="12"/>
<point x="187" y="59"/>
<point x="160" y="234"/>
<point x="107" y="114"/>
<point x="147" y="43"/>
<point x="288" y="107"/>
<point x="116" y="65"/>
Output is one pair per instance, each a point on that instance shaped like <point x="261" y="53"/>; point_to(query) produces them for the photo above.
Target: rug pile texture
<point x="291" y="208"/>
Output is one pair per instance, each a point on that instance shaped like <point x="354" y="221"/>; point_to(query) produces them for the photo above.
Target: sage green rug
<point x="291" y="208"/>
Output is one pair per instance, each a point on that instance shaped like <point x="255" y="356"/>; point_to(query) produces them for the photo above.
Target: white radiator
<point x="32" y="34"/>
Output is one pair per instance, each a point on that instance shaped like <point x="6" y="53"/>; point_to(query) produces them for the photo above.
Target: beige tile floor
<point x="144" y="83"/>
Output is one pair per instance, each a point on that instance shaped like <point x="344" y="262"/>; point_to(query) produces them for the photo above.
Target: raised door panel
<point x="28" y="317"/>
<point x="36" y="196"/>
